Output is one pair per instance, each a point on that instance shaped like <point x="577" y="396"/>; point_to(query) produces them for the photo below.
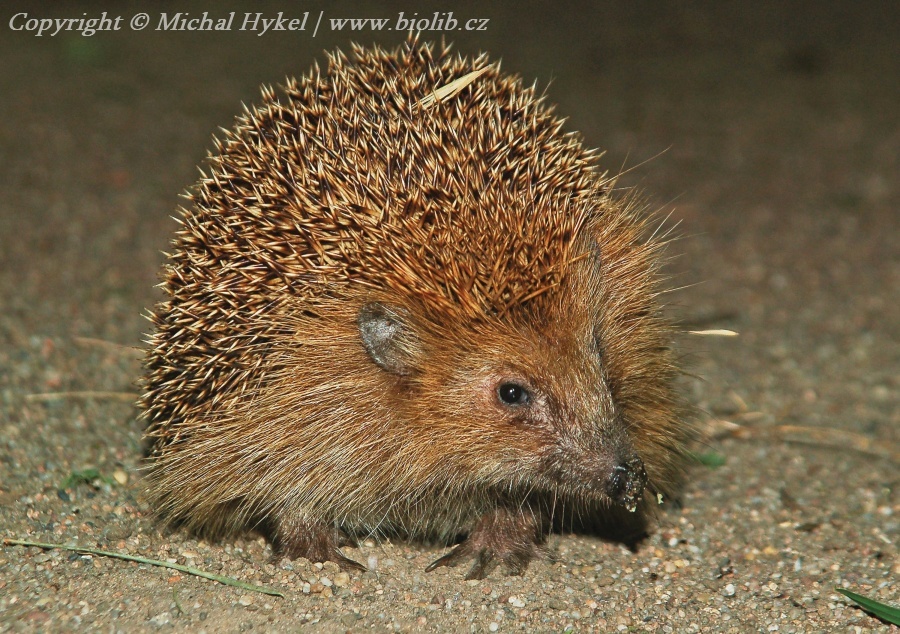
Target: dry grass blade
<point x="449" y="90"/>
<point x="713" y="333"/>
<point x="151" y="562"/>
<point x="822" y="436"/>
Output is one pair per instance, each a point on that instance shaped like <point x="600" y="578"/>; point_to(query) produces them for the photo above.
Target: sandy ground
<point x="771" y="132"/>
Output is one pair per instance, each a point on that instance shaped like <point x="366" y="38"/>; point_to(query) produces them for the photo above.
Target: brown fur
<point x="357" y="275"/>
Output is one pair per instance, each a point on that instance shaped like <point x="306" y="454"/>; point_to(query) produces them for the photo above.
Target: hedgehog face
<point x="522" y="406"/>
<point x="550" y="391"/>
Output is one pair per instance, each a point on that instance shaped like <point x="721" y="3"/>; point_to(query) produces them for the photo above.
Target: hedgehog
<point x="403" y="301"/>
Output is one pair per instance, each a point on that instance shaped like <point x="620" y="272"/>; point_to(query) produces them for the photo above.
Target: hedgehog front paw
<point x="313" y="541"/>
<point x="510" y="536"/>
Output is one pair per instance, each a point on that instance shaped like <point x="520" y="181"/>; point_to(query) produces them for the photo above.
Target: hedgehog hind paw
<point x="512" y="538"/>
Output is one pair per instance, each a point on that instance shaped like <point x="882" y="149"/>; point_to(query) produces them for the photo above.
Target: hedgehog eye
<point x="512" y="394"/>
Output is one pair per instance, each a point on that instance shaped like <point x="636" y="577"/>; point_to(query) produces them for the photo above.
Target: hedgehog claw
<point x="480" y="568"/>
<point x="346" y="564"/>
<point x="451" y="559"/>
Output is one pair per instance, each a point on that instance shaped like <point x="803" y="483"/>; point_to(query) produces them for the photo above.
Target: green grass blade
<point x="881" y="610"/>
<point x="710" y="459"/>
<point x="228" y="581"/>
<point x="86" y="476"/>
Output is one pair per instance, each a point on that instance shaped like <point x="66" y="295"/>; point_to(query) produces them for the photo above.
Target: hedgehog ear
<point x="388" y="337"/>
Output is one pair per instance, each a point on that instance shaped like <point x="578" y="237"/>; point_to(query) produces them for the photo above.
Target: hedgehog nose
<point x="626" y="483"/>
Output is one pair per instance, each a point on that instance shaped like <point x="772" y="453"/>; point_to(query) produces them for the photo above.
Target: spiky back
<point x="349" y="178"/>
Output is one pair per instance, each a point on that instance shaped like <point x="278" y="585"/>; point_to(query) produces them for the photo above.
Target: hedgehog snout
<point x="626" y="483"/>
<point x="606" y="464"/>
